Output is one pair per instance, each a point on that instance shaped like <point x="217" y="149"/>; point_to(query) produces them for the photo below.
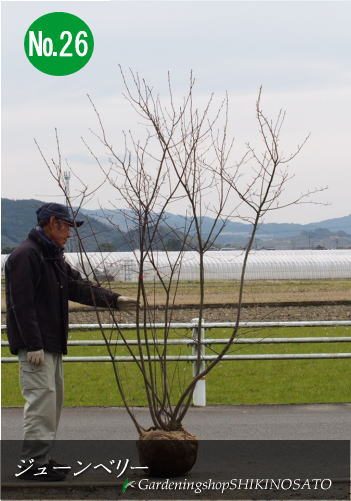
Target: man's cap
<point x="59" y="211"/>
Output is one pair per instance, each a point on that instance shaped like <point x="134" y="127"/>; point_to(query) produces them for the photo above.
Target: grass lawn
<point x="231" y="382"/>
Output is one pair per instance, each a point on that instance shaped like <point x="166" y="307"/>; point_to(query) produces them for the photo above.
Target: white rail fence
<point x="199" y="341"/>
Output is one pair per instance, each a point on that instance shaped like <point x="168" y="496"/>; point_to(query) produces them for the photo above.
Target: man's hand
<point x="126" y="303"/>
<point x="35" y="357"/>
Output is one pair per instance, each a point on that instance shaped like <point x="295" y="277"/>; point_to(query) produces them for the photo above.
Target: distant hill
<point x="124" y="219"/>
<point x="18" y="217"/>
<point x="337" y="224"/>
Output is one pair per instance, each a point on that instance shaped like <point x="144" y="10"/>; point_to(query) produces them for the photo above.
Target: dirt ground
<point x="256" y="291"/>
<point x="260" y="312"/>
<point x="265" y="300"/>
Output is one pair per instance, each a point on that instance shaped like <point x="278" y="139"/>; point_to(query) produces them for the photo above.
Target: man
<point x="39" y="284"/>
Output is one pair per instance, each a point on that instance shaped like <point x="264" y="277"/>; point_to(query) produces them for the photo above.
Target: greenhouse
<point x="218" y="265"/>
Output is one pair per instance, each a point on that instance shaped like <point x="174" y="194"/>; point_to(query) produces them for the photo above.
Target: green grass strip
<point x="231" y="382"/>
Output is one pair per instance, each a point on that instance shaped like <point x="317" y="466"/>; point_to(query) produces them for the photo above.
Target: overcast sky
<point x="298" y="51"/>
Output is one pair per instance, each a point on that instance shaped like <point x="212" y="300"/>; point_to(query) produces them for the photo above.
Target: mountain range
<point x="114" y="228"/>
<point x="121" y="217"/>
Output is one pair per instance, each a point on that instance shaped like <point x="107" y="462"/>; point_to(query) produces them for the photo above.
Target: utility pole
<point x="67" y="178"/>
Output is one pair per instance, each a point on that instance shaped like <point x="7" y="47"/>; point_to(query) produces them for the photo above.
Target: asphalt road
<point x="236" y="422"/>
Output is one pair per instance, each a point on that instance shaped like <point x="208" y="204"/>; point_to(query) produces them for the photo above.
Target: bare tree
<point x="185" y="157"/>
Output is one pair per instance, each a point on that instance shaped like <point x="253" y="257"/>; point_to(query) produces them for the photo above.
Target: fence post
<point x="199" y="395"/>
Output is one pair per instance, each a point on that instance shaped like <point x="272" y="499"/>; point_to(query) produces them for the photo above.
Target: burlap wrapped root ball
<point x="167" y="453"/>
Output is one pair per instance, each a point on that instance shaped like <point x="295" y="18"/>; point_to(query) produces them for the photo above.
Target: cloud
<point x="299" y="51"/>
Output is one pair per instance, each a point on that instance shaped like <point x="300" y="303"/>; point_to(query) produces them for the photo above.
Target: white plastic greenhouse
<point x="224" y="265"/>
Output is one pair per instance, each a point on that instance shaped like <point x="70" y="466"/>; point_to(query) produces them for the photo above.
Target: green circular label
<point x="59" y="43"/>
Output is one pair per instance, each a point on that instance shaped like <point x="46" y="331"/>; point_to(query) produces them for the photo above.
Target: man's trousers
<point x="42" y="388"/>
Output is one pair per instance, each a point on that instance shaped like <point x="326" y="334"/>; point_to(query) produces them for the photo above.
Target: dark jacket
<point x="39" y="284"/>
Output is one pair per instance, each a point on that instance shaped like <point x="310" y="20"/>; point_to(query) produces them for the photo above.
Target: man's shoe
<point x="43" y="473"/>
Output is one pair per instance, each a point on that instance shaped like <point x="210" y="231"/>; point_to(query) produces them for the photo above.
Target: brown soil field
<point x="252" y="313"/>
<point x="258" y="291"/>
<point x="268" y="300"/>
